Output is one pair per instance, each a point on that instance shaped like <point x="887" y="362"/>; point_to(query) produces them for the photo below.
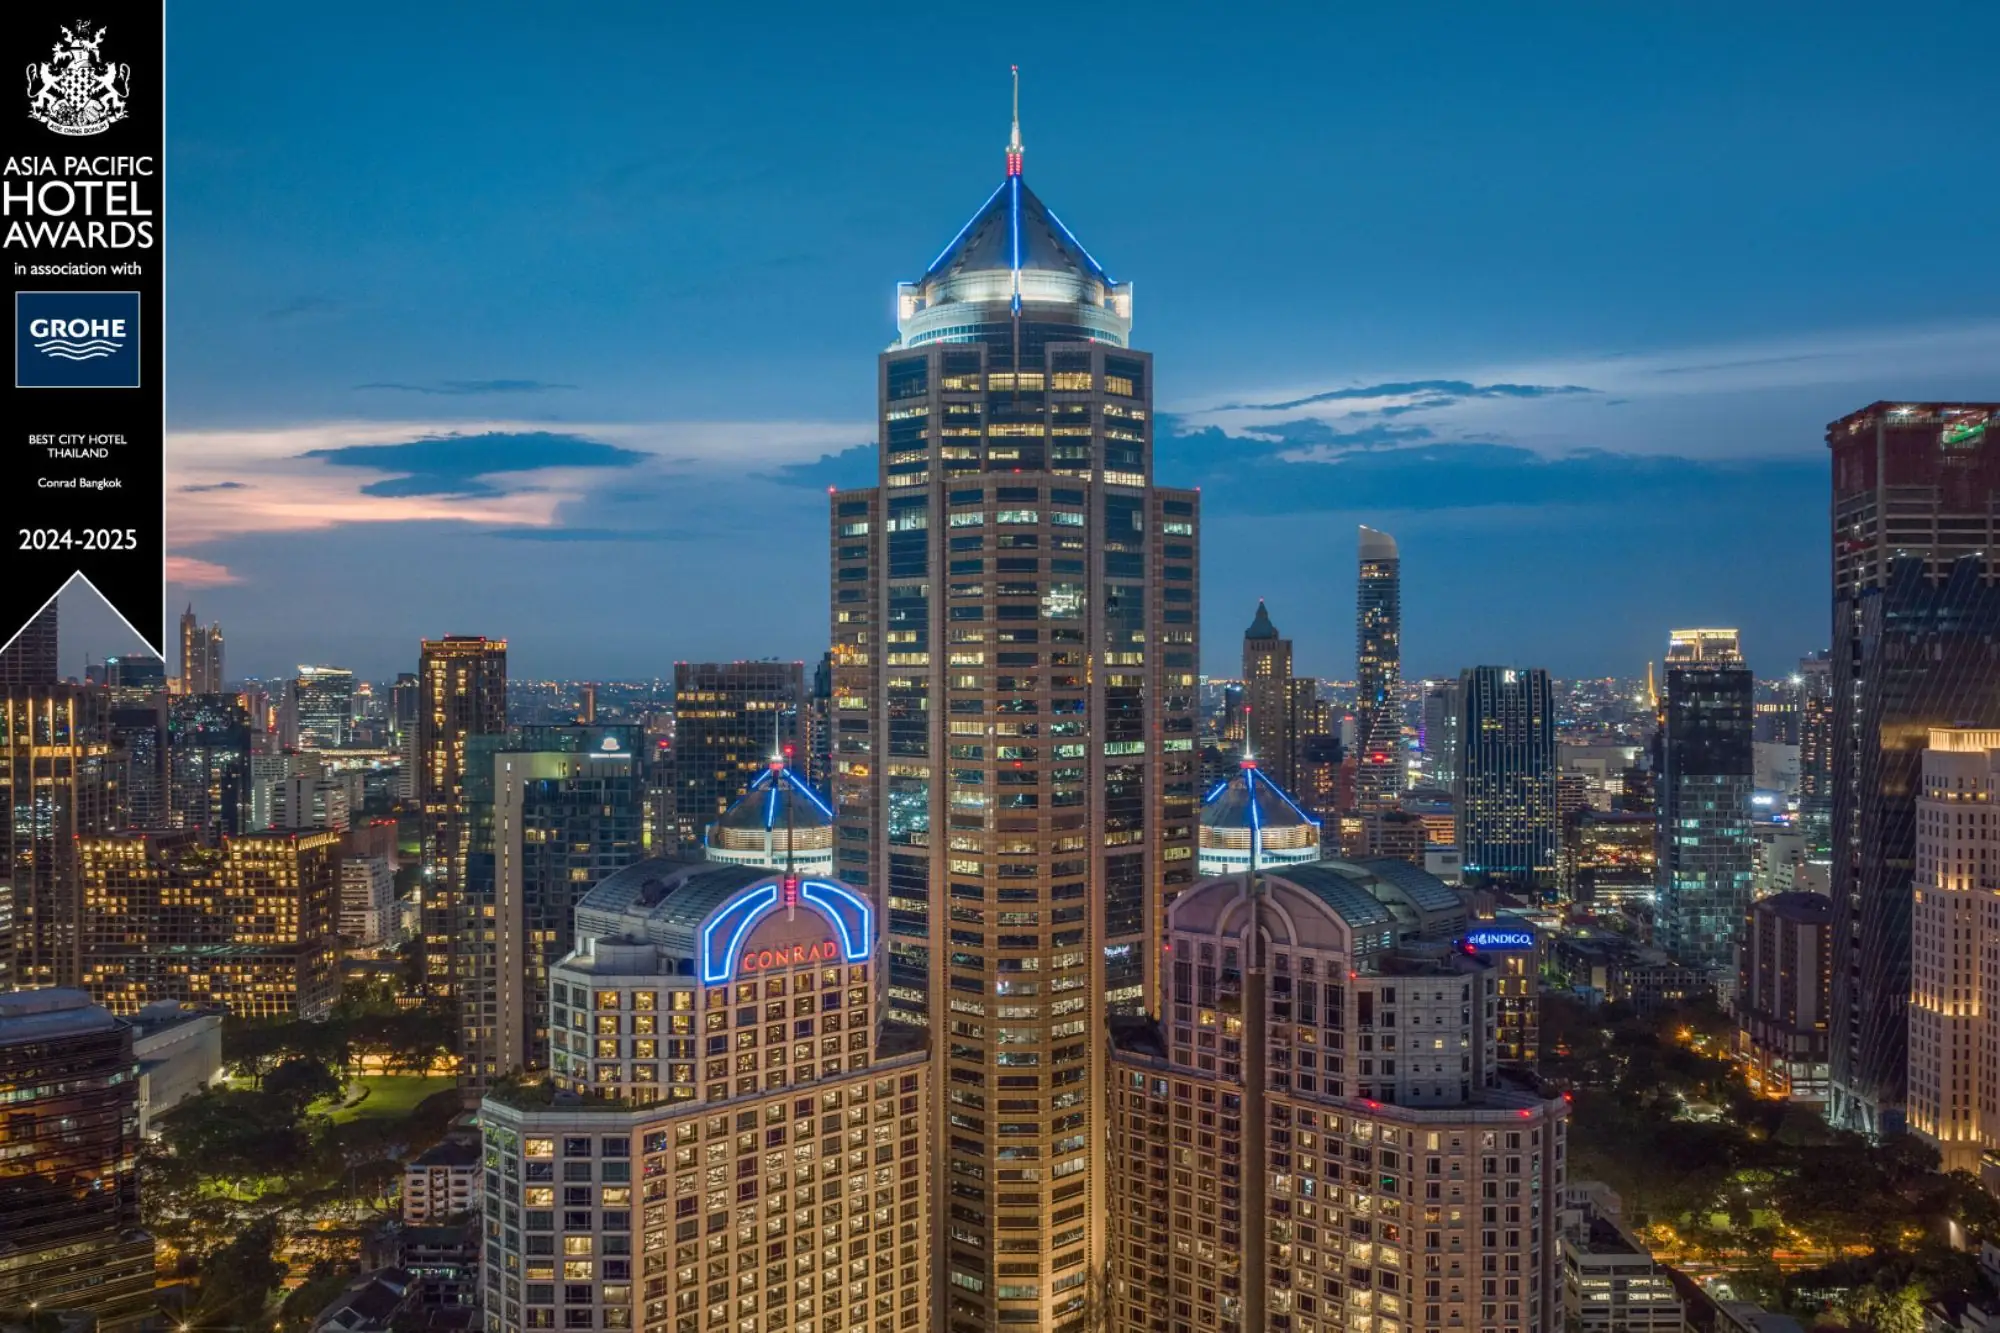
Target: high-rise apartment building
<point x="1314" y="1017"/>
<point x="1954" y="1071"/>
<point x="367" y="899"/>
<point x="58" y="782"/>
<point x="201" y="656"/>
<point x="1378" y="670"/>
<point x="1277" y="706"/>
<point x="1705" y="859"/>
<point x="727" y="1116"/>
<point x="1816" y="742"/>
<point x="32" y="658"/>
<point x="729" y="717"/>
<point x="1916" y="644"/>
<point x="69" y="1162"/>
<point x="136" y="726"/>
<point x="208" y="765"/>
<point x="1782" y="995"/>
<point x="1505" y="797"/>
<point x="1015" y="626"/>
<point x="463" y="683"/>
<point x="320" y="708"/>
<point x="567" y="809"/>
<point x="251" y="924"/>
<point x="1443" y="711"/>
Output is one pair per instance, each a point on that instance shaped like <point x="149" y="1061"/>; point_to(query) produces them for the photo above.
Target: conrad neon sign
<point x="725" y="946"/>
<point x="763" y="960"/>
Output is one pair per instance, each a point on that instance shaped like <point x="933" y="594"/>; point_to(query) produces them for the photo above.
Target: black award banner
<point x="84" y="430"/>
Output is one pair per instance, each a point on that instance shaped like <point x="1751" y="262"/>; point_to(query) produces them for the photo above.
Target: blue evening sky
<point x="555" y="323"/>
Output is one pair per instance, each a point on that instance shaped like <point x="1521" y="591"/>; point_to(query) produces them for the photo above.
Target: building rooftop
<point x="1251" y="803"/>
<point x="50" y="1014"/>
<point x="449" y="1152"/>
<point x="1377" y="545"/>
<point x="1806" y="908"/>
<point x="1260" y="624"/>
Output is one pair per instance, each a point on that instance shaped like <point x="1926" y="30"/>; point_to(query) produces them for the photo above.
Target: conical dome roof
<point x="1013" y="262"/>
<point x="1249" y="817"/>
<point x="779" y="823"/>
<point x="1260" y="625"/>
<point x="1014" y="229"/>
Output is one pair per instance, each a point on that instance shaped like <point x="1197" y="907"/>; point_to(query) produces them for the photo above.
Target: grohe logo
<point x="76" y="340"/>
<point x="76" y="92"/>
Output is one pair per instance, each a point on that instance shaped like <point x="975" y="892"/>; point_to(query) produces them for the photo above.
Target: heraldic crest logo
<point x="76" y="92"/>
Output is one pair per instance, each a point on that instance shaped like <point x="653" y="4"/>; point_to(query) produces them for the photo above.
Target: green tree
<point x="237" y="1281"/>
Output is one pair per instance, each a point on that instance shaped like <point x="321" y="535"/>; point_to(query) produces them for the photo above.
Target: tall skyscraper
<point x="1506" y="793"/>
<point x="1277" y="705"/>
<point x="1378" y="671"/>
<point x="1955" y="930"/>
<point x="1916" y="644"/>
<point x="33" y="657"/>
<point x="69" y="1170"/>
<point x="251" y="924"/>
<point x="1015" y="613"/>
<point x="463" y="679"/>
<point x="136" y="725"/>
<point x="1443" y="708"/>
<point x="1816" y="742"/>
<point x="1706" y="852"/>
<point x="321" y="704"/>
<point x="815" y="757"/>
<point x="208" y="765"/>
<point x="728" y="717"/>
<point x="567" y="806"/>
<point x="405" y="702"/>
<point x="201" y="655"/>
<point x="57" y="783"/>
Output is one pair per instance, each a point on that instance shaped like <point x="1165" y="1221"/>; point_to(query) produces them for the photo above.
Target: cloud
<point x="1764" y="398"/>
<point x="492" y="473"/>
<point x="462" y="464"/>
<point x="192" y="573"/>
<point x="469" y="388"/>
<point x="1415" y="393"/>
<point x="852" y="466"/>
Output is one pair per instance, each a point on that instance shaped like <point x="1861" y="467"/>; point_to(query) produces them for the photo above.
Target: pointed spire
<point x="1261" y="626"/>
<point x="1014" y="143"/>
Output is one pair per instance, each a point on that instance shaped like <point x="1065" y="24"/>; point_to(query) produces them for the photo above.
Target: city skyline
<point x="580" y="437"/>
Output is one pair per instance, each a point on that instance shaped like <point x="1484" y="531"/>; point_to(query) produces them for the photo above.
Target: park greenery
<point x="274" y="1178"/>
<point x="1829" y="1226"/>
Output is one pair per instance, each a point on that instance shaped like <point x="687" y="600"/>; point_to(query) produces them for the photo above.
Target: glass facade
<point x="1506" y="791"/>
<point x="1015" y="620"/>
<point x="1916" y="644"/>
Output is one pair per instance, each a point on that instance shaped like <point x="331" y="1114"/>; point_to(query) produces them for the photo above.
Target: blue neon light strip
<point x="1256" y="819"/>
<point x="827" y="897"/>
<point x="1075" y="242"/>
<point x="1292" y="803"/>
<point x="966" y="228"/>
<point x="771" y="809"/>
<point x="805" y="789"/>
<point x="752" y="905"/>
<point x="1216" y="791"/>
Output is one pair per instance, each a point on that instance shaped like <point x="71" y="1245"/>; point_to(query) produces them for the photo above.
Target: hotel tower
<point x="1014" y="628"/>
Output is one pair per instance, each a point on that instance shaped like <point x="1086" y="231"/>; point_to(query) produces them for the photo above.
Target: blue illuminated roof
<point x="778" y="799"/>
<point x="1015" y="230"/>
<point x="1250" y="800"/>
